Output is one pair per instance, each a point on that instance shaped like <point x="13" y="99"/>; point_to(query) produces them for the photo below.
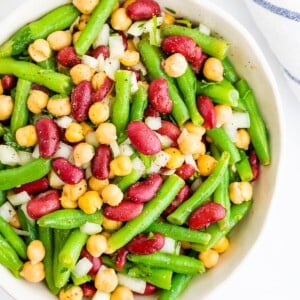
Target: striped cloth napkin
<point x="279" y="21"/>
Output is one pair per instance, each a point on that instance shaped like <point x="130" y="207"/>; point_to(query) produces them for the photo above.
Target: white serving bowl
<point x="251" y="65"/>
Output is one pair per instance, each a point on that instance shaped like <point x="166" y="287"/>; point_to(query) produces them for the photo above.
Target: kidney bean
<point x="254" y="163"/>
<point x="143" y="138"/>
<point x="68" y="57"/>
<point x="185" y="171"/>
<point x="36" y="86"/>
<point x="125" y="211"/>
<point x="96" y="261"/>
<point x="144" y="191"/>
<point x="150" y="111"/>
<point x="8" y="82"/>
<point x="100" y="162"/>
<point x="207" y="111"/>
<point x="66" y="171"/>
<point x="43" y="204"/>
<point x="48" y="136"/>
<point x="104" y="50"/>
<point x="136" y="73"/>
<point x="81" y="100"/>
<point x="146" y="243"/>
<point x="159" y="95"/>
<point x="198" y="60"/>
<point x="121" y="258"/>
<point x="182" y="195"/>
<point x="103" y="90"/>
<point x="34" y="187"/>
<point x="143" y="10"/>
<point x="170" y="130"/>
<point x="205" y="215"/>
<point x="88" y="290"/>
<point x="124" y="39"/>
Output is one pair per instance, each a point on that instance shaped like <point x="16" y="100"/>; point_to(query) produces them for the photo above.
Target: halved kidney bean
<point x="121" y="258"/>
<point x="103" y="90"/>
<point x="100" y="162"/>
<point x="198" y="60"/>
<point x="66" y="171"/>
<point x="158" y="93"/>
<point x="205" y="215"/>
<point x="8" y="82"/>
<point x="151" y="112"/>
<point x="170" y="130"/>
<point x="81" y="100"/>
<point x="185" y="171"/>
<point x="34" y="187"/>
<point x="43" y="204"/>
<point x="143" y="138"/>
<point x="48" y="136"/>
<point x="144" y="191"/>
<point x="102" y="49"/>
<point x="125" y="211"/>
<point x="254" y="163"/>
<point x="88" y="289"/>
<point x="96" y="261"/>
<point x="207" y="111"/>
<point x="143" y="10"/>
<point x="146" y="243"/>
<point x="124" y="39"/>
<point x="68" y="57"/>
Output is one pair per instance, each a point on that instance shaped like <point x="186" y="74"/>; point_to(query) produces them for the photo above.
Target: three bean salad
<point x="128" y="150"/>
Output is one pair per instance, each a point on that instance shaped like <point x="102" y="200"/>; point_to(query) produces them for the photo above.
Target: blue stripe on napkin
<point x="289" y="14"/>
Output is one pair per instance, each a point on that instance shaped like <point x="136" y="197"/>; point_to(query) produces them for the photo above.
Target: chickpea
<point x="96" y="245"/>
<point x="85" y="6"/>
<point x="33" y="272"/>
<point x="189" y="143"/>
<point x="6" y="107"/>
<point x="59" y="107"/>
<point x="98" y="112"/>
<point x="106" y="133"/>
<point x="206" y="164"/>
<point x="76" y="36"/>
<point x="83" y="21"/>
<point x="112" y="195"/>
<point x="222" y="245"/>
<point x="130" y="58"/>
<point x="106" y="280"/>
<point x="199" y="131"/>
<point x="175" y="65"/>
<point x="242" y="139"/>
<point x="72" y="293"/>
<point x="121" y="165"/>
<point x="26" y="136"/>
<point x="168" y="19"/>
<point x="74" y="191"/>
<point x="176" y="158"/>
<point x="223" y="114"/>
<point x="15" y="221"/>
<point x="1" y="88"/>
<point x="90" y="202"/>
<point x="39" y="50"/>
<point x="213" y="69"/>
<point x="59" y="39"/>
<point x="81" y="72"/>
<point x="98" y="79"/>
<point x="119" y="19"/>
<point x="240" y="192"/>
<point x="111" y="225"/>
<point x="127" y="3"/>
<point x="209" y="258"/>
<point x="97" y="184"/>
<point x="122" y="293"/>
<point x="36" y="251"/>
<point x="74" y="133"/>
<point x="130" y="45"/>
<point x="86" y="128"/>
<point x="83" y="153"/>
<point x="67" y="203"/>
<point x="37" y="101"/>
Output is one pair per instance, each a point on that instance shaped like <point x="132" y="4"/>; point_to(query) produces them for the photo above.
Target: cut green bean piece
<point x="80" y="280"/>
<point x="27" y="225"/>
<point x="126" y="181"/>
<point x="139" y="104"/>
<point x="2" y="197"/>
<point x="229" y="72"/>
<point x="243" y="167"/>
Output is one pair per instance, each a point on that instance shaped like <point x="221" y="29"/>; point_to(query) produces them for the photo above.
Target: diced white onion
<point x="82" y="267"/>
<point x="231" y="130"/>
<point x="138" y="165"/>
<point x="88" y="172"/>
<point x="134" y="284"/>
<point x="161" y="159"/>
<point x="24" y="209"/>
<point x="140" y="67"/>
<point x="189" y="159"/>
<point x="54" y="181"/>
<point x="240" y="120"/>
<point x="101" y="63"/>
<point x="111" y="65"/>
<point x="115" y="149"/>
<point x="136" y="40"/>
<point x="36" y="152"/>
<point x="91" y="228"/>
<point x="165" y="141"/>
<point x="204" y="29"/>
<point x="9" y="156"/>
<point x="20" y="198"/>
<point x="127" y="142"/>
<point x="116" y="46"/>
<point x="169" y="246"/>
<point x="169" y="172"/>
<point x="153" y="123"/>
<point x="134" y="84"/>
<point x="7" y="211"/>
<point x="90" y="61"/>
<point x="126" y="149"/>
<point x="99" y="295"/>
<point x="196" y="184"/>
<point x="21" y="232"/>
<point x="91" y="139"/>
<point x="24" y="157"/>
<point x="64" y="150"/>
<point x="102" y="37"/>
<point x="137" y="28"/>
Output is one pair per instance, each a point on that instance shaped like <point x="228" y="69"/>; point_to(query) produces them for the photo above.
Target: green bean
<point x="152" y="60"/>
<point x="34" y="170"/>
<point x="179" y="233"/>
<point x="258" y="131"/>
<point x="19" y="117"/>
<point x="125" y="182"/>
<point x="229" y="72"/>
<point x="237" y="212"/>
<point x="181" y="214"/>
<point x="9" y="258"/>
<point x="121" y="103"/>
<point x="99" y="16"/>
<point x="48" y="64"/>
<point x="243" y="167"/>
<point x="179" y="284"/>
<point x="209" y="44"/>
<point x="27" y="225"/>
<point x="224" y="143"/>
<point x="187" y="86"/>
<point x="13" y="239"/>
<point x="58" y="19"/>
<point x="2" y="197"/>
<point x="31" y="72"/>
<point x="69" y="219"/>
<point x="177" y="263"/>
<point x="151" y="211"/>
<point x="139" y="104"/>
<point x="80" y="280"/>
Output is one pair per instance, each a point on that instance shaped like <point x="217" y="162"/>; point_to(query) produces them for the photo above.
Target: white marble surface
<point x="271" y="270"/>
